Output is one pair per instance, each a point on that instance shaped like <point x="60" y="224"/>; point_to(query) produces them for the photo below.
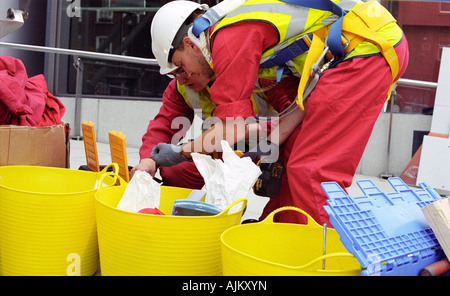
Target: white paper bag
<point x="142" y="192"/>
<point x="226" y="180"/>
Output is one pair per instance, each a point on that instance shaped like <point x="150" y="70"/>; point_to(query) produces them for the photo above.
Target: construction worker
<point x="184" y="97"/>
<point x="348" y="57"/>
<point x="159" y="130"/>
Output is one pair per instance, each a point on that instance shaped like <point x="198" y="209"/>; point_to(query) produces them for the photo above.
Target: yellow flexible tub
<point x="47" y="221"/>
<point x="282" y="249"/>
<point x="145" y="244"/>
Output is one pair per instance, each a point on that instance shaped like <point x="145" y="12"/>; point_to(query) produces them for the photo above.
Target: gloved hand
<point x="167" y="155"/>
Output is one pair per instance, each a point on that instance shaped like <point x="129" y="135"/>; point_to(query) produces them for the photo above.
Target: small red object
<point x="436" y="269"/>
<point x="153" y="211"/>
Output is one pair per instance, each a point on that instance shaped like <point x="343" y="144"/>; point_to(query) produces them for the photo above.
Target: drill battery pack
<point x="269" y="182"/>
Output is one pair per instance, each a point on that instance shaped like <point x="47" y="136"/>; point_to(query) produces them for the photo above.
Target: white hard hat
<point x="167" y="22"/>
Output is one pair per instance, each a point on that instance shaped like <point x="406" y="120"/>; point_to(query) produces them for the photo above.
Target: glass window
<point x="426" y="25"/>
<point x="119" y="27"/>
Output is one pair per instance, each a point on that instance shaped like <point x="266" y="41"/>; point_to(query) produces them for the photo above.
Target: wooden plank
<point x="119" y="153"/>
<point x="90" y="145"/>
<point x="438" y="217"/>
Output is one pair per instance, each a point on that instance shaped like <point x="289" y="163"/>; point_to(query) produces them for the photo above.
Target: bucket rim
<point x="99" y="174"/>
<point x="123" y="183"/>
<point x="222" y="213"/>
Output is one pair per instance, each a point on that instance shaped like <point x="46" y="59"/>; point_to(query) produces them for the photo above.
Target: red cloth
<point x="25" y="101"/>
<point x="340" y="115"/>
<point x="183" y="175"/>
<point x="54" y="109"/>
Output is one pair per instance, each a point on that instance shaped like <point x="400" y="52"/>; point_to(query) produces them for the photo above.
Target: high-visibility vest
<point x="202" y="101"/>
<point x="368" y="28"/>
<point x="290" y="22"/>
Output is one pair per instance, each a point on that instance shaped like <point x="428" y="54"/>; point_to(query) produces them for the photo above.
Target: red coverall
<point x="340" y="114"/>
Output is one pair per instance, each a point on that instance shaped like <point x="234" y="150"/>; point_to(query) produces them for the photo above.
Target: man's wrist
<point x="185" y="155"/>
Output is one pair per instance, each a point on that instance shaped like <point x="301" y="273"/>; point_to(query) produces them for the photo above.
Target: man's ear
<point x="189" y="44"/>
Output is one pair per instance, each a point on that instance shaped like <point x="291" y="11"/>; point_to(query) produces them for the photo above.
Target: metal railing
<point x="81" y="53"/>
<point x="121" y="58"/>
<point x="418" y="83"/>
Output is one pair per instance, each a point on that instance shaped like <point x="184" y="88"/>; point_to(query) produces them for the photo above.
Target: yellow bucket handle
<point x="115" y="175"/>
<point x="115" y="168"/>
<point x="311" y="221"/>
<point x="323" y="257"/>
<point x="227" y="209"/>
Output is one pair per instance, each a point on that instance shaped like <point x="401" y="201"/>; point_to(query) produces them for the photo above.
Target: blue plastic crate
<point x="387" y="232"/>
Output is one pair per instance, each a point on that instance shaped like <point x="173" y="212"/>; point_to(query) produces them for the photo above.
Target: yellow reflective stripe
<point x="198" y="100"/>
<point x="203" y="100"/>
<point x="208" y="107"/>
<point x="182" y="91"/>
<point x="290" y="22"/>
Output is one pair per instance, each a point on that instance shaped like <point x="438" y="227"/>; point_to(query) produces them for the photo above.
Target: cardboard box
<point x="36" y="146"/>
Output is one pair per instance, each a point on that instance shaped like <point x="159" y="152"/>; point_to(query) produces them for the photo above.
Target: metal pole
<point x="387" y="174"/>
<point x="81" y="53"/>
<point x="78" y="64"/>
<point x="418" y="83"/>
<point x="408" y="82"/>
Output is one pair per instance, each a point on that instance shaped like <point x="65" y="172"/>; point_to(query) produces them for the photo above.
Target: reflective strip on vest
<point x="202" y="101"/>
<point x="198" y="101"/>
